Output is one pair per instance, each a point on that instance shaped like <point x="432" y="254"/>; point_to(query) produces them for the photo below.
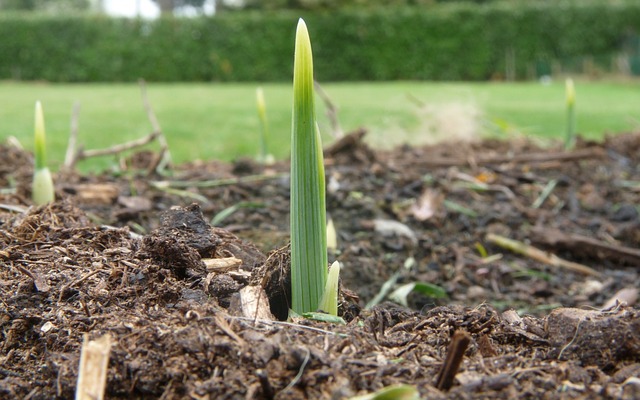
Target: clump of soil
<point x="136" y="257"/>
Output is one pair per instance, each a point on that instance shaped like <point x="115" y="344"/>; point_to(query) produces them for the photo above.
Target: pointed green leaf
<point x="400" y="294"/>
<point x="570" y="134"/>
<point x="40" y="140"/>
<point x="308" y="219"/>
<point x="262" y="115"/>
<point x="394" y="392"/>
<point x="42" y="190"/>
<point x="332" y="236"/>
<point x="329" y="302"/>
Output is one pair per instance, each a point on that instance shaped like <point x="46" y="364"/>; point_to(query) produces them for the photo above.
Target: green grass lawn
<point x="220" y="120"/>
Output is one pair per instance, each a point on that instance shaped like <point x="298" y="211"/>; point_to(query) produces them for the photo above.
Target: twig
<point x="455" y="353"/>
<point x="289" y="324"/>
<point x="70" y="157"/>
<point x="118" y="148"/>
<point x="26" y="272"/>
<point x="332" y="111"/>
<point x="540" y="255"/>
<point x="155" y="164"/>
<point x="300" y="371"/>
<point x="585" y="245"/>
<point x="416" y="101"/>
<point x="215" y="182"/>
<point x="532" y="158"/>
<point x="226" y="328"/>
<point x="545" y="193"/>
<point x="92" y="372"/>
<point x="177" y="192"/>
<point x="346" y="142"/>
<point x="80" y="280"/>
<point x="14" y="208"/>
<point x="572" y="339"/>
<point x="155" y="125"/>
<point x="73" y="155"/>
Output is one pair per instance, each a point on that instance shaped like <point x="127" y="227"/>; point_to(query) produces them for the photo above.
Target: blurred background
<point x="249" y="40"/>
<point x="409" y="70"/>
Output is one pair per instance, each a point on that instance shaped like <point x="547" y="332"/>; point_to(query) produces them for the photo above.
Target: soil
<point x="158" y="262"/>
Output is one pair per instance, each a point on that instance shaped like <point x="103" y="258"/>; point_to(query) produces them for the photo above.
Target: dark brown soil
<point x="129" y="255"/>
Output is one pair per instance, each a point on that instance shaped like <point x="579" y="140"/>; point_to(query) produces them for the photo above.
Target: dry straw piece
<point x="92" y="376"/>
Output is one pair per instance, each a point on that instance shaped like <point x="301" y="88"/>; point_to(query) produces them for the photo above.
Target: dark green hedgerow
<point x="446" y="42"/>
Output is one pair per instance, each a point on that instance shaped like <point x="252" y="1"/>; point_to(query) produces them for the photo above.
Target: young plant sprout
<point x="394" y="392"/>
<point x="265" y="157"/>
<point x="308" y="212"/>
<point x="42" y="190"/>
<point x="329" y="301"/>
<point x="332" y="236"/>
<point x="570" y="134"/>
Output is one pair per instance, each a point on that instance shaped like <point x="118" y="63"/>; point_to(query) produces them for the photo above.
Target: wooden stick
<point x="346" y="142"/>
<point x="70" y="157"/>
<point x="532" y="158"/>
<point x="585" y="245"/>
<point x="215" y="182"/>
<point x="332" y="111"/>
<point x="540" y="255"/>
<point x="455" y="353"/>
<point x="92" y="372"/>
<point x="155" y="125"/>
<point x="119" y="148"/>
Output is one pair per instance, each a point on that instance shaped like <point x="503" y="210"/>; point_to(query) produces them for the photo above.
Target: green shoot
<point x="332" y="237"/>
<point x="570" y="134"/>
<point x="394" y="392"/>
<point x="322" y="317"/>
<point x="308" y="211"/>
<point x="42" y="190"/>
<point x="265" y="157"/>
<point x="329" y="301"/>
<point x="222" y="215"/>
<point x="401" y="294"/>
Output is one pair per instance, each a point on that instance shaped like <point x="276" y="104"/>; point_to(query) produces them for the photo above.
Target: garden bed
<point x="122" y="254"/>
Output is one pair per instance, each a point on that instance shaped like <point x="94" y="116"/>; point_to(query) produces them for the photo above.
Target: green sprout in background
<point x="308" y="209"/>
<point x="332" y="236"/>
<point x="265" y="157"/>
<point x="570" y="134"/>
<point x="394" y="392"/>
<point x="42" y="190"/>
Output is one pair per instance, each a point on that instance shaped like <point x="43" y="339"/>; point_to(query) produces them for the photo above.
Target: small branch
<point x="119" y="148"/>
<point x="178" y="192"/>
<point x="155" y="125"/>
<point x="455" y="353"/>
<point x="70" y="157"/>
<point x="585" y="245"/>
<point x="332" y="111"/>
<point x="214" y="183"/>
<point x="93" y="368"/>
<point x="416" y="101"/>
<point x="64" y="288"/>
<point x="296" y="379"/>
<point x="532" y="158"/>
<point x="540" y="255"/>
<point x="346" y="143"/>
<point x="546" y="192"/>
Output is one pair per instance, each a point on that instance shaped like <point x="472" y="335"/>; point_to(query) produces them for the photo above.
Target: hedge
<point x="446" y="42"/>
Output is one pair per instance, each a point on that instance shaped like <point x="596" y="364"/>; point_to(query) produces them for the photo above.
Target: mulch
<point x="160" y="262"/>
